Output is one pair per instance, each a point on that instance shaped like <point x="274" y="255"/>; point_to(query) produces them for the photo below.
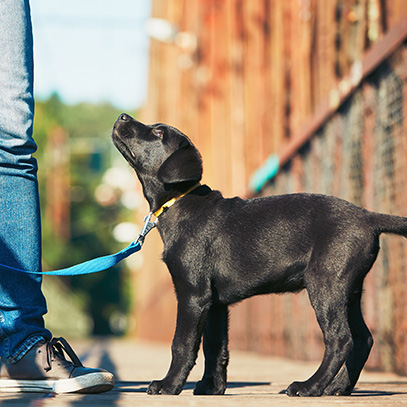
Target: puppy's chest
<point x="191" y="253"/>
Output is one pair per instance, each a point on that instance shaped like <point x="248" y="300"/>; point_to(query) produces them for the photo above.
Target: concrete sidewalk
<point x="253" y="380"/>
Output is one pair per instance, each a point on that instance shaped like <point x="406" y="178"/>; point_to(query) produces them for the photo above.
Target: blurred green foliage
<point x="74" y="153"/>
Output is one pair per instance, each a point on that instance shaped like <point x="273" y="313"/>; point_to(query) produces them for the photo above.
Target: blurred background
<point x="279" y="97"/>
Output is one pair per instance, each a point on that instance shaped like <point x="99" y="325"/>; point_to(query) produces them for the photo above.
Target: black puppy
<point x="220" y="251"/>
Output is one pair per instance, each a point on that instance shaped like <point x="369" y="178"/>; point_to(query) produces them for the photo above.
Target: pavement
<point x="253" y="380"/>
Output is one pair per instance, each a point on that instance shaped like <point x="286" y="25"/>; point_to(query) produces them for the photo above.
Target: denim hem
<point x="27" y="345"/>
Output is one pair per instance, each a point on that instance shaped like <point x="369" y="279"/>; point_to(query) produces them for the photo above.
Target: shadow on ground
<point x="141" y="387"/>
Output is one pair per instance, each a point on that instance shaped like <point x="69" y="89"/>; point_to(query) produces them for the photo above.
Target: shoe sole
<point x="90" y="383"/>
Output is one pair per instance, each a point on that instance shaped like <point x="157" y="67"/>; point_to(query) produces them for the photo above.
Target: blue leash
<point x="100" y="263"/>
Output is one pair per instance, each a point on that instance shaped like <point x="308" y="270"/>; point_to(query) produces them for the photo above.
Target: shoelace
<point x="57" y="348"/>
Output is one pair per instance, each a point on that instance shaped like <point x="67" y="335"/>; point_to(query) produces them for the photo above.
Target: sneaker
<point x="44" y="369"/>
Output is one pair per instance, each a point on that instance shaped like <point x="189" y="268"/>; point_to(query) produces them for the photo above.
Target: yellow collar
<point x="173" y="200"/>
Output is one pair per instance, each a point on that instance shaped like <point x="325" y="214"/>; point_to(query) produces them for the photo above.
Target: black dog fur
<point x="220" y="251"/>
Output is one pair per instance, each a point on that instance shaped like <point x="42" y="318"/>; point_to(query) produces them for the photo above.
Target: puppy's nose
<point x="124" y="117"/>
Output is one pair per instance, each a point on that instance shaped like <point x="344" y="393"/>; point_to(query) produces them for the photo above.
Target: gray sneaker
<point x="44" y="369"/>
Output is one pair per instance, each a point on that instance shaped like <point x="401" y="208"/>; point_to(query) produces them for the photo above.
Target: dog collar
<point x="173" y="200"/>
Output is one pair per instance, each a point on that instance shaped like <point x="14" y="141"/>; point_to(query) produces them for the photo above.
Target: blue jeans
<point x="22" y="304"/>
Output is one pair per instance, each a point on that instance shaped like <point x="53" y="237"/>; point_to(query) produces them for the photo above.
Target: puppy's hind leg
<point x="346" y="379"/>
<point x="330" y="305"/>
<point x="215" y="346"/>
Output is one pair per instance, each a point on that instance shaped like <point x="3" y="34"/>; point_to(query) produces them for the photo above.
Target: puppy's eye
<point x="158" y="133"/>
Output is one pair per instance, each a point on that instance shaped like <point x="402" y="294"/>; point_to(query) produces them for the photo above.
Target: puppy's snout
<point x="124" y="117"/>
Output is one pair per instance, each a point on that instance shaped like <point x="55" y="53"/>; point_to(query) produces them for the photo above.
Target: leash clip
<point x="148" y="225"/>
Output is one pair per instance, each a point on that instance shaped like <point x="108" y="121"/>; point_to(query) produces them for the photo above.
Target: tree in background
<point x="82" y="194"/>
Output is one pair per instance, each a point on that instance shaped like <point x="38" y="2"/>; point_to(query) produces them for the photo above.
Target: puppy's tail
<point x="389" y="224"/>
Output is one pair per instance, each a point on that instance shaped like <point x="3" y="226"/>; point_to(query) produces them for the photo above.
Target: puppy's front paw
<point x="338" y="389"/>
<point x="155" y="387"/>
<point x="164" y="387"/>
<point x="209" y="387"/>
<point x="303" y="389"/>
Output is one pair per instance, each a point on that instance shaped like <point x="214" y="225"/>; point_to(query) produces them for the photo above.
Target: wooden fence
<point x="321" y="86"/>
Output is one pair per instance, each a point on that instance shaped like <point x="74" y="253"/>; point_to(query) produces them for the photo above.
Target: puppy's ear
<point x="185" y="164"/>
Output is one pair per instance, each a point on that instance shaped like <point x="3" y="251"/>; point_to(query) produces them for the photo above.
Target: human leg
<point x="22" y="304"/>
<point x="29" y="359"/>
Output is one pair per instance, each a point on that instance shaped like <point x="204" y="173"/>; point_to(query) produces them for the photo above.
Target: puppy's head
<point x="164" y="159"/>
